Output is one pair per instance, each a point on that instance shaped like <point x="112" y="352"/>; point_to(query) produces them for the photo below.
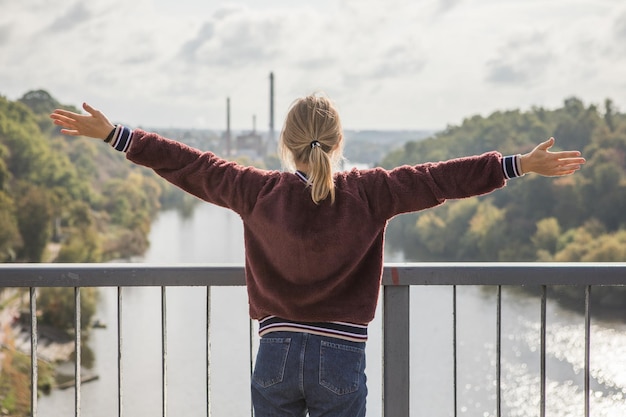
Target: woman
<point x="314" y="240"/>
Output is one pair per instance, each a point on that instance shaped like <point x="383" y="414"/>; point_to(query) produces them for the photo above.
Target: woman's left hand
<point x="551" y="164"/>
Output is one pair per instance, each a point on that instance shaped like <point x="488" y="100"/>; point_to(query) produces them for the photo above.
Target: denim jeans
<point x="296" y="373"/>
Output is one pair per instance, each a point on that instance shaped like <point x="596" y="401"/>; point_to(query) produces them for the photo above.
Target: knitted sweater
<point x="315" y="262"/>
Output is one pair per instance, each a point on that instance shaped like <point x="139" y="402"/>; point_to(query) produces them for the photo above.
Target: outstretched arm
<point x="94" y="124"/>
<point x="551" y="164"/>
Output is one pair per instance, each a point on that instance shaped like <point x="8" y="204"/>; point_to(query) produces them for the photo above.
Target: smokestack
<point x="228" y="126"/>
<point x="271" y="138"/>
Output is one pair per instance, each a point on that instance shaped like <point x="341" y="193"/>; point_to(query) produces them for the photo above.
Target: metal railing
<point x="397" y="280"/>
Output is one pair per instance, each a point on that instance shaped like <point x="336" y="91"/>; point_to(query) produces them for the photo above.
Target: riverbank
<point x="55" y="354"/>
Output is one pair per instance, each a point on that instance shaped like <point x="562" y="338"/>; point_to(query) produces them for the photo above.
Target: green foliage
<point x="59" y="189"/>
<point x="83" y="244"/>
<point x="133" y="201"/>
<point x="15" y="380"/>
<point x="34" y="218"/>
<point x="575" y="218"/>
<point x="10" y="238"/>
<point x="57" y="306"/>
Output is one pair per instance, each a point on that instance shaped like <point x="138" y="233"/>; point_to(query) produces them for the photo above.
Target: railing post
<point x="120" y="375"/>
<point x="77" y="350"/>
<point x="34" y="375"/>
<point x="396" y="349"/>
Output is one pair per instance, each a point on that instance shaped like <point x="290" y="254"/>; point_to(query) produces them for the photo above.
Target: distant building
<point x="250" y="144"/>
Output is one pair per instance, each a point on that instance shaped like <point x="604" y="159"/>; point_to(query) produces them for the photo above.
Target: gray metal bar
<point x="454" y="353"/>
<point x="107" y="275"/>
<point x="208" y="351"/>
<point x="587" y="346"/>
<point x="251" y="348"/>
<point x="504" y="273"/>
<point x="124" y="274"/>
<point x="34" y="374"/>
<point x="119" y="353"/>
<point x="164" y="350"/>
<point x="499" y="351"/>
<point x="77" y="349"/>
<point x="396" y="351"/>
<point x="543" y="351"/>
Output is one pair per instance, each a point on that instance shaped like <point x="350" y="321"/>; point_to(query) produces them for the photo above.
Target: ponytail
<point x="320" y="174"/>
<point x="312" y="136"/>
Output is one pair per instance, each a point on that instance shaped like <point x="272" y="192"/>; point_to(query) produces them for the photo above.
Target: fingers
<point x="567" y="166"/>
<point x="544" y="146"/>
<point x="65" y="113"/>
<point x="63" y="120"/>
<point x="91" y="110"/>
<point x="566" y="154"/>
<point x="70" y="132"/>
<point x="67" y="121"/>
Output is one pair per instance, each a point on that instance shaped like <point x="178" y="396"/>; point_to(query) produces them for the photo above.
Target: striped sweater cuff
<point x="512" y="167"/>
<point x="122" y="138"/>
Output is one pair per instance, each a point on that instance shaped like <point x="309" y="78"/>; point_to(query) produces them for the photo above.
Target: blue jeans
<point x="296" y="373"/>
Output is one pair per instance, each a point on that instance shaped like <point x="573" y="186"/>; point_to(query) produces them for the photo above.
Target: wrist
<point x="524" y="163"/>
<point x="111" y="134"/>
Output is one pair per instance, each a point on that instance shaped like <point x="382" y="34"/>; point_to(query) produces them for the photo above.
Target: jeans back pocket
<point x="341" y="367"/>
<point x="271" y="358"/>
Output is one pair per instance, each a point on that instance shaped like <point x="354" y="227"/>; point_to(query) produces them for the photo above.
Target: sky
<point x="387" y="64"/>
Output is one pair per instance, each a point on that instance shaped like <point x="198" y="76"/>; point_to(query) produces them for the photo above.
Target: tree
<point x="547" y="235"/>
<point x="40" y="101"/>
<point x="34" y="217"/>
<point x="486" y="230"/>
<point x="57" y="305"/>
<point x="10" y="238"/>
<point x="609" y="114"/>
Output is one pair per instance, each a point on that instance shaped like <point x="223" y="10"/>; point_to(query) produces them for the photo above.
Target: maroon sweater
<point x="314" y="262"/>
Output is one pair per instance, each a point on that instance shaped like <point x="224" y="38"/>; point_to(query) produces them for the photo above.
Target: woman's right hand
<point x="94" y="124"/>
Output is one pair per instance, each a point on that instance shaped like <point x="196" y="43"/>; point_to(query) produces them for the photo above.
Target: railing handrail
<point x="423" y="273"/>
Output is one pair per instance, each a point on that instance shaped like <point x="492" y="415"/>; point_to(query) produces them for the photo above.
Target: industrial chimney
<point x="228" y="135"/>
<point x="272" y="138"/>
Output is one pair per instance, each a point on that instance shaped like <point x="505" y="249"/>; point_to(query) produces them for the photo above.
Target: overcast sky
<point x="388" y="64"/>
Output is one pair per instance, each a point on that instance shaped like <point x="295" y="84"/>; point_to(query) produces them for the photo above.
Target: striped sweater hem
<point x="336" y="329"/>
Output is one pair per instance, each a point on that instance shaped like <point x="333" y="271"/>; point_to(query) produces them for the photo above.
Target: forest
<point x="581" y="217"/>
<point x="64" y="198"/>
<point x="64" y="194"/>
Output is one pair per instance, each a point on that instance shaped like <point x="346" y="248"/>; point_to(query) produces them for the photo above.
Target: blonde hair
<point x="312" y="136"/>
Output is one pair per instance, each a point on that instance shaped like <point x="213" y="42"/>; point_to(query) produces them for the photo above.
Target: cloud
<point x="5" y="33"/>
<point x="233" y="38"/>
<point x="619" y="29"/>
<point x="75" y="16"/>
<point x="190" y="48"/>
<point x="522" y="61"/>
<point x="436" y="61"/>
<point x="447" y="5"/>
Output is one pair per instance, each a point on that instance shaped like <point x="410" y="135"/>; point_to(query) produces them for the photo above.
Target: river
<point x="214" y="235"/>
